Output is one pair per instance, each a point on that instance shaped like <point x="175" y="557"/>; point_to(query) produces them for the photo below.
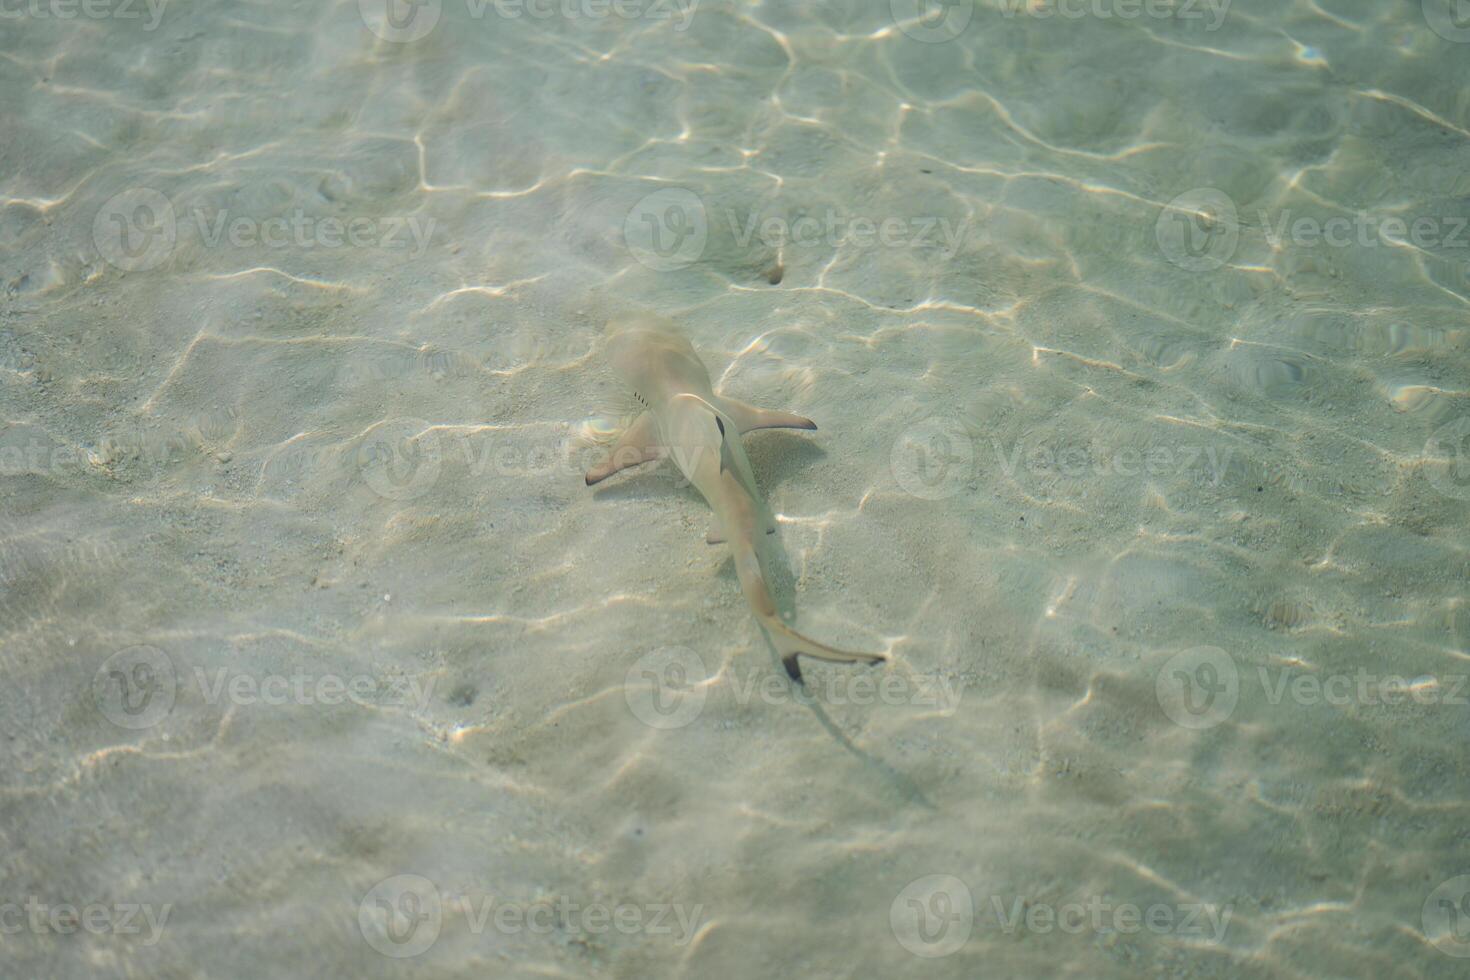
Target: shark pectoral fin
<point x="716" y="533"/>
<point x="636" y="445"/>
<point x="748" y="417"/>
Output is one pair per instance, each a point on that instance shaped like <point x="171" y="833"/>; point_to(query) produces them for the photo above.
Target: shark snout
<point x="628" y="350"/>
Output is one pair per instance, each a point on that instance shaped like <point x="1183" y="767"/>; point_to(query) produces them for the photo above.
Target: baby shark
<point x="682" y="417"/>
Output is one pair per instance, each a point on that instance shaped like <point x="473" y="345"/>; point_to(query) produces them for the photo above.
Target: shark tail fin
<point x="790" y="644"/>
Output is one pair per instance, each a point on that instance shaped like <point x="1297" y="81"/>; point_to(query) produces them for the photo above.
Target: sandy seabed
<point x="1140" y="351"/>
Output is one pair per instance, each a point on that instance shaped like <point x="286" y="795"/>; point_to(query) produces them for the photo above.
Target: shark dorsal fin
<point x="726" y="461"/>
<point x="690" y="396"/>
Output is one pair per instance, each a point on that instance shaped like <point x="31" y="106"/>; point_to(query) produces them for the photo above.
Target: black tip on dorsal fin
<point x="720" y="423"/>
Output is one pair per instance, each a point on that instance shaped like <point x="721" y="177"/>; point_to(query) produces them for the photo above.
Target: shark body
<point x="684" y="418"/>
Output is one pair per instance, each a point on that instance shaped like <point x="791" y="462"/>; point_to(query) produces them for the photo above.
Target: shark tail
<point x="791" y="644"/>
<point x="788" y="642"/>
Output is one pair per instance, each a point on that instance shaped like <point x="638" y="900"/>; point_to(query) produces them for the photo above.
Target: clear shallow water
<point x="1141" y="452"/>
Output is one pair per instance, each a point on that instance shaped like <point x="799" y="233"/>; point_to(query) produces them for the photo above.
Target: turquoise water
<point x="1138" y="338"/>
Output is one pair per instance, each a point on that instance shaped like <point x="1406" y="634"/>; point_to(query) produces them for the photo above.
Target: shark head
<point x="628" y="356"/>
<point x="653" y="359"/>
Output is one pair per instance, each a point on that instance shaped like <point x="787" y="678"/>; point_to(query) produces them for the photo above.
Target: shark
<point x="681" y="416"/>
